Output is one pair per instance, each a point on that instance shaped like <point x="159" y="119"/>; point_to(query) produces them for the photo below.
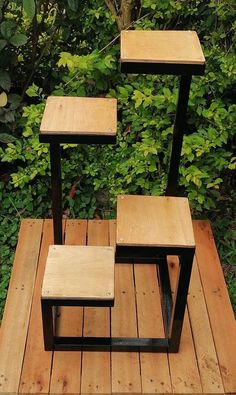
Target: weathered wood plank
<point x="66" y="368"/>
<point x="155" y="372"/>
<point x="96" y="365"/>
<point x="218" y="303"/>
<point x="202" y="336"/>
<point x="36" y="371"/>
<point x="18" y="305"/>
<point x="125" y="365"/>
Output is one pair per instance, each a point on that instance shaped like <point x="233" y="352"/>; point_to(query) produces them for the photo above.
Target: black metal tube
<point x="55" y="158"/>
<point x="185" y="269"/>
<point x="47" y="317"/>
<point x="180" y="121"/>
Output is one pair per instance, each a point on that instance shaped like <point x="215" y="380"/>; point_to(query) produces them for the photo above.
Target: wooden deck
<point x="206" y="363"/>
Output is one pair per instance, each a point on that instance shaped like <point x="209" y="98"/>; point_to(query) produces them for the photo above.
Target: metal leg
<point x="47" y="317"/>
<point x="183" y="281"/>
<point x="166" y="295"/>
<point x="55" y="158"/>
<point x="180" y="120"/>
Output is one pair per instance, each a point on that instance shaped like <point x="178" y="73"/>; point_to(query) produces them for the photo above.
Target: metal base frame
<point x="172" y="311"/>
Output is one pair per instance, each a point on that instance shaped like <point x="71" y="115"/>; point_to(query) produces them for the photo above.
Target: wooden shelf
<point x="79" y="120"/>
<point x="154" y="221"/>
<point x="79" y="273"/>
<point x="161" y="52"/>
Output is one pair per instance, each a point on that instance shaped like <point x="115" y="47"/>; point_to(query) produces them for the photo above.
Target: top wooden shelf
<point x="79" y="120"/>
<point x="161" y="52"/>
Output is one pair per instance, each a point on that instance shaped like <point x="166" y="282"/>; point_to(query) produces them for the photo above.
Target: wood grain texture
<point x="154" y="221"/>
<point x="183" y="365"/>
<point x="18" y="305"/>
<point x="202" y="336"/>
<point x="36" y="370"/>
<point x="79" y="273"/>
<point x="79" y="115"/>
<point x="66" y="367"/>
<point x="96" y="366"/>
<point x="191" y="370"/>
<point x="155" y="372"/>
<point x="125" y="365"/>
<point x="173" y="47"/>
<point x="218" y="303"/>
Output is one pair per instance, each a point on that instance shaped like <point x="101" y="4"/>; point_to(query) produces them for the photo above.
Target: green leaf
<point x="29" y="8"/>
<point x="7" y="138"/>
<point x="18" y="39"/>
<point x="73" y="5"/>
<point x="3" y="43"/>
<point x="3" y="99"/>
<point x="7" y="28"/>
<point x="5" y="81"/>
<point x="14" y="100"/>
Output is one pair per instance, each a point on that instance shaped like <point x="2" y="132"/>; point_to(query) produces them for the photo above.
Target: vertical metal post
<point x="186" y="262"/>
<point x="166" y="295"/>
<point x="55" y="158"/>
<point x="180" y="121"/>
<point x="48" y="333"/>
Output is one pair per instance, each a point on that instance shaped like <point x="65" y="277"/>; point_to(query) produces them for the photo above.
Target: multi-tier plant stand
<point x="149" y="228"/>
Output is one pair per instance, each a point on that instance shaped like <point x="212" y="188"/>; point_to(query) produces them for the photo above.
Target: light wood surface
<point x="79" y="115"/>
<point x="217" y="301"/>
<point x="16" y="317"/>
<point x="66" y="366"/>
<point x="155" y="372"/>
<point x="95" y="374"/>
<point x="190" y="371"/>
<point x="36" y="369"/>
<point x="184" y="369"/>
<point x="173" y="47"/>
<point x="125" y="365"/>
<point x="154" y="221"/>
<point x="203" y="340"/>
<point x="79" y="273"/>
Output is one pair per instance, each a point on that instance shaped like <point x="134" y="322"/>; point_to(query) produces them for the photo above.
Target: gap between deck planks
<point x="205" y="364"/>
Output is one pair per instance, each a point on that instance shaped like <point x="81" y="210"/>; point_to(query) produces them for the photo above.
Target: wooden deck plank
<point x="66" y="368"/>
<point x="35" y="377"/>
<point x="18" y="305"/>
<point x="193" y="370"/>
<point x="125" y="365"/>
<point x="202" y="336"/>
<point x="183" y="365"/>
<point x="155" y="372"/>
<point x="96" y="365"/>
<point x="218" y="303"/>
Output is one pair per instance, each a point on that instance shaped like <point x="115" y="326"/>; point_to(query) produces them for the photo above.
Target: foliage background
<point x="72" y="48"/>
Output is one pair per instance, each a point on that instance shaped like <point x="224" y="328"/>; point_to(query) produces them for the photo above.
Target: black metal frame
<point x="172" y="311"/>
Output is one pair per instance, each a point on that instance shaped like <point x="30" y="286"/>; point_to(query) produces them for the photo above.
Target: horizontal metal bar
<point x="127" y="254"/>
<point x="80" y="302"/>
<point x="76" y="139"/>
<point x="162" y="68"/>
<point x="110" y="344"/>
